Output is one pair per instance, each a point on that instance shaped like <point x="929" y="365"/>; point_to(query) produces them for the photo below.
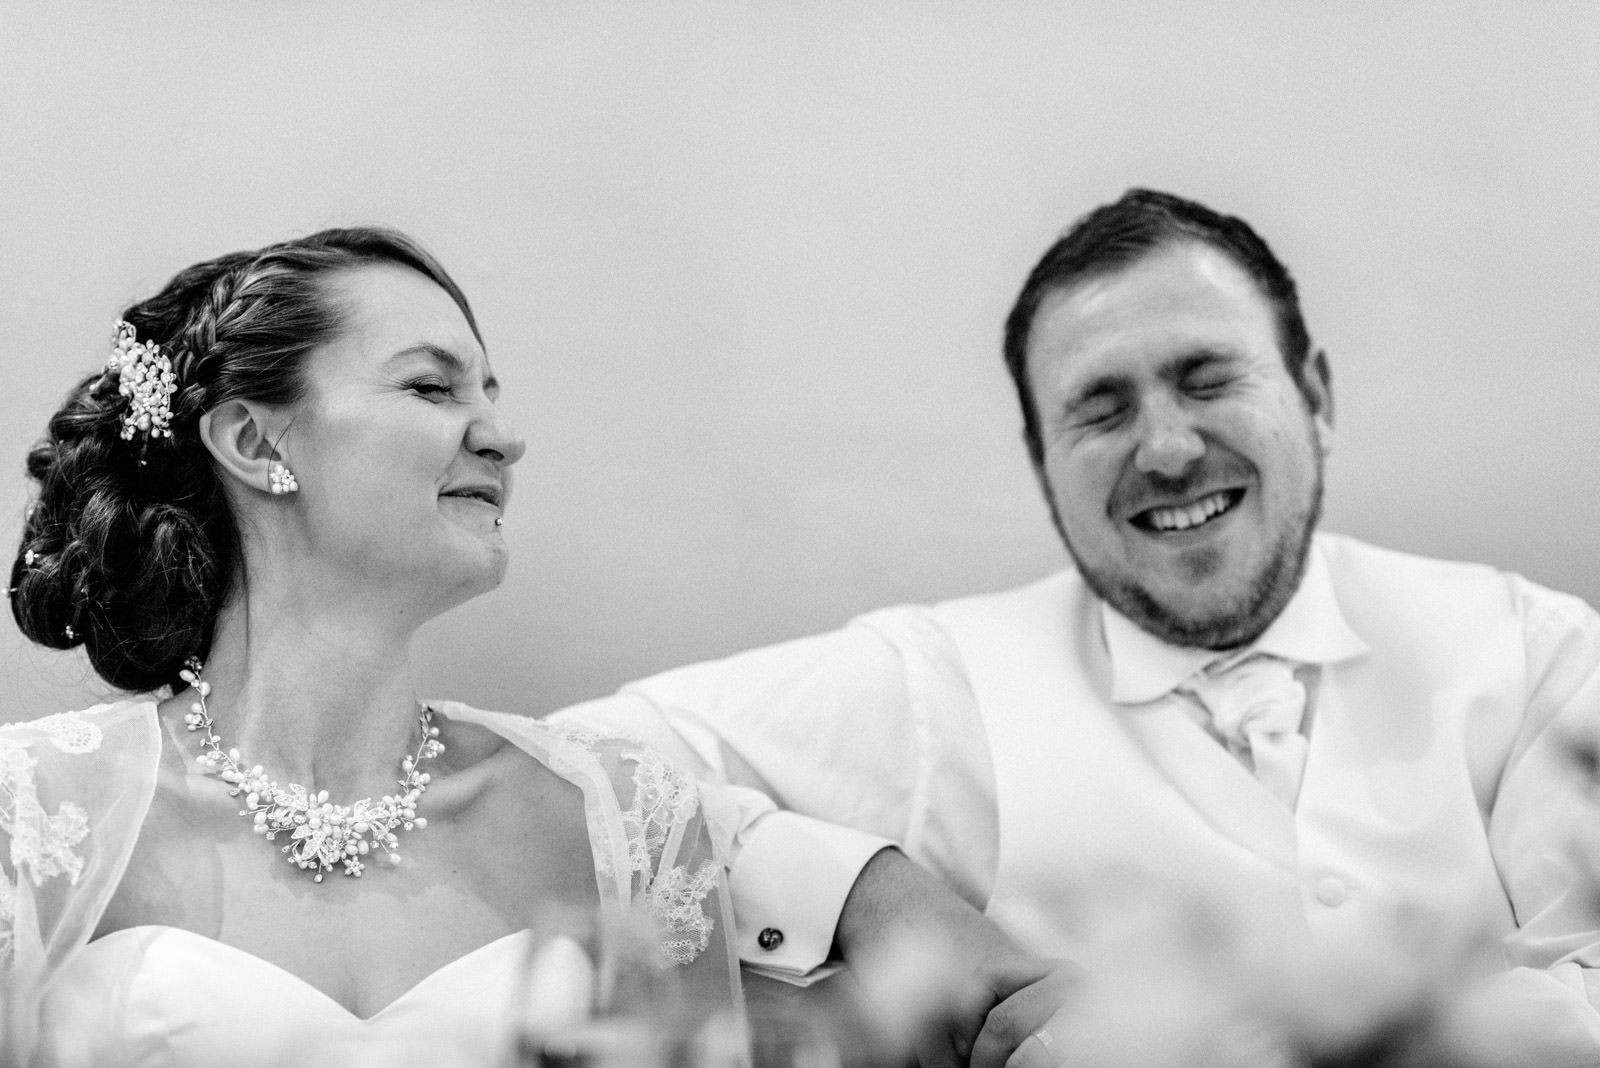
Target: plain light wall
<point x="742" y="268"/>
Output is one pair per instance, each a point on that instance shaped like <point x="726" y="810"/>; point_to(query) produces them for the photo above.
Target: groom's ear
<point x="1317" y="388"/>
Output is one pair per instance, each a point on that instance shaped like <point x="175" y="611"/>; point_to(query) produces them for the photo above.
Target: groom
<point x="1291" y="734"/>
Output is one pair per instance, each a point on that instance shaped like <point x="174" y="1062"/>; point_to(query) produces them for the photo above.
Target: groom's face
<point x="1182" y="462"/>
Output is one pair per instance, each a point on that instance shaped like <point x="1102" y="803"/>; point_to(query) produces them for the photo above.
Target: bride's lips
<point x="490" y="494"/>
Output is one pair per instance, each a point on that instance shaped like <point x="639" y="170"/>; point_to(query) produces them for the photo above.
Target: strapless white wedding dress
<point x="154" y="997"/>
<point x="74" y="789"/>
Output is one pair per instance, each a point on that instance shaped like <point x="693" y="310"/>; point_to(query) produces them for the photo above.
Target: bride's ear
<point x="237" y="435"/>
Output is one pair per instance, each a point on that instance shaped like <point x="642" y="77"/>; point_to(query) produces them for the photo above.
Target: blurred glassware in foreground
<point x="1164" y="986"/>
<point x="597" y="993"/>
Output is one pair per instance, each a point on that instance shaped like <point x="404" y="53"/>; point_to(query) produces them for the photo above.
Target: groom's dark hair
<point x="1114" y="236"/>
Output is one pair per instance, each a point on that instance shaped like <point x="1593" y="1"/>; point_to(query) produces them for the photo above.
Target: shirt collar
<point x="1310" y="630"/>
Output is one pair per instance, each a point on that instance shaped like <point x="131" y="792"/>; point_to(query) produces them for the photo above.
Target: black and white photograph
<point x="817" y="535"/>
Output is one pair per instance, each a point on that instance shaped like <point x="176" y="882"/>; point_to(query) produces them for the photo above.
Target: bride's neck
<point x="325" y="701"/>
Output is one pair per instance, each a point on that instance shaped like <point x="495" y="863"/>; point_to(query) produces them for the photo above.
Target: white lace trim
<point x="677" y="900"/>
<point x="571" y="748"/>
<point x="67" y="731"/>
<point x="585" y="738"/>
<point x="663" y="799"/>
<point x="41" y="843"/>
<point x="572" y="744"/>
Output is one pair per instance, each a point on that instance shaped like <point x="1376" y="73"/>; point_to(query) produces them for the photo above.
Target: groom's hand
<point x="944" y="979"/>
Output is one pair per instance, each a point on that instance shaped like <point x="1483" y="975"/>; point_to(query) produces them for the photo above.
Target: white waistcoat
<point x="1096" y="800"/>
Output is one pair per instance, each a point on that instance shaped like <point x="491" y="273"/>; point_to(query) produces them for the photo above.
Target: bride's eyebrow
<point x="452" y="363"/>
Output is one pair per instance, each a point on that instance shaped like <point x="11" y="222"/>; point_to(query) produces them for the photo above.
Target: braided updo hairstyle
<point x="131" y="545"/>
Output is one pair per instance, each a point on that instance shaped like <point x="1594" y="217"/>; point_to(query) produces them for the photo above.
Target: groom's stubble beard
<point x="1266" y="591"/>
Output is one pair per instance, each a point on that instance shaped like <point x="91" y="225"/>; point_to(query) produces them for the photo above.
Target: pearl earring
<point x="280" y="479"/>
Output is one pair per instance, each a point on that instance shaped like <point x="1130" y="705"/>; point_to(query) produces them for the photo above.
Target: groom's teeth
<point x="1190" y="516"/>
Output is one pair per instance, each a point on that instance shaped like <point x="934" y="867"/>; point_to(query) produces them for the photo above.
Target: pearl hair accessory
<point x="144" y="376"/>
<point x="321" y="833"/>
<point x="280" y="479"/>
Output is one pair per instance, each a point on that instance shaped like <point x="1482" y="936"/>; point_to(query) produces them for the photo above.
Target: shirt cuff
<point x="789" y="881"/>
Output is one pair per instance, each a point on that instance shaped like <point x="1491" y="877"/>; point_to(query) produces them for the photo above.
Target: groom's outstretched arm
<point x="815" y="754"/>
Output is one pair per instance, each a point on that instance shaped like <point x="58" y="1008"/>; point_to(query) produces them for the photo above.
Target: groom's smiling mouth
<point x="1191" y="515"/>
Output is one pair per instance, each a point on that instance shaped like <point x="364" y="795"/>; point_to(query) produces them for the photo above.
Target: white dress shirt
<point x="1439" y="697"/>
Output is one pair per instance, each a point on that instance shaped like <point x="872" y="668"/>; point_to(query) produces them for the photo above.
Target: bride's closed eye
<point x="430" y="387"/>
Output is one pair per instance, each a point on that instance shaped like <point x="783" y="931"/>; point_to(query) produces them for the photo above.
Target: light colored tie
<point x="1256" y="706"/>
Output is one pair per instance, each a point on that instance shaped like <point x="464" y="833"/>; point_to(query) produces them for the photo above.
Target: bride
<point x="292" y="460"/>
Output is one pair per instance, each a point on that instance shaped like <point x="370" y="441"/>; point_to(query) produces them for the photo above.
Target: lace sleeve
<point x="653" y="853"/>
<point x="74" y="788"/>
<point x="37" y="844"/>
<point x="656" y="844"/>
<point x="675" y="878"/>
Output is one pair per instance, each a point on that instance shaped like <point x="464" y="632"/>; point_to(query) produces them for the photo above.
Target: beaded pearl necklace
<point x="321" y="833"/>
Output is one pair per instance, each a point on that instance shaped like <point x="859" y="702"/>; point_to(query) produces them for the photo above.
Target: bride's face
<point x="403" y="459"/>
